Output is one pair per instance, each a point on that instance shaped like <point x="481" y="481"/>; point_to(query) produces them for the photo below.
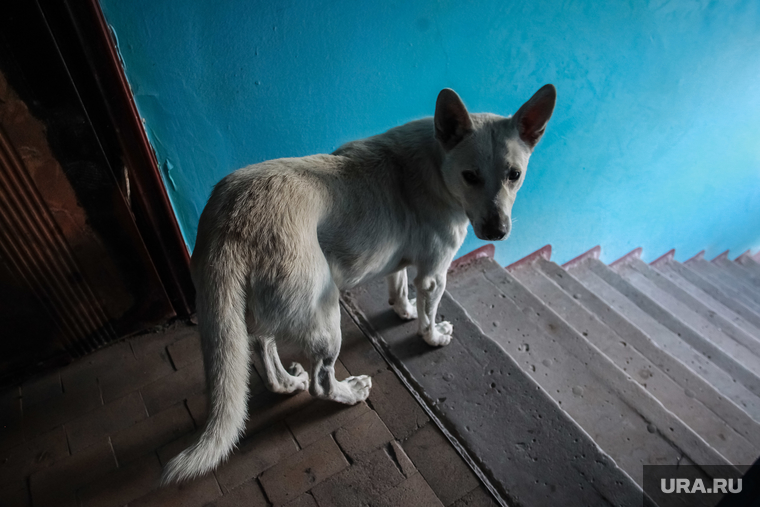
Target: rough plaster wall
<point x="655" y="141"/>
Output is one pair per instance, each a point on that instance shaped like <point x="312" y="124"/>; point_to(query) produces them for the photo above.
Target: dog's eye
<point x="513" y="175"/>
<point x="471" y="177"/>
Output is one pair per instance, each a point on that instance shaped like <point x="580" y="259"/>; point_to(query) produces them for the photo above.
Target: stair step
<point x="738" y="271"/>
<point x="733" y="286"/>
<point x="626" y="422"/>
<point x="522" y="441"/>
<point x="704" y="421"/>
<point x="669" y="341"/>
<point x="740" y="346"/>
<point x="680" y="274"/>
<point x="628" y="335"/>
<point x="740" y="368"/>
<point x="734" y="326"/>
<point x="748" y="262"/>
<point x="697" y="299"/>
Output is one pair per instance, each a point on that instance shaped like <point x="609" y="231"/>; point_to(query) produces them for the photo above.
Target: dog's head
<point x="486" y="156"/>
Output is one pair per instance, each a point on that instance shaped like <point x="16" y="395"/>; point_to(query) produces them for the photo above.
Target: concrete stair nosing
<point x="722" y="318"/>
<point x="736" y="287"/>
<point x="698" y="299"/>
<point x="693" y="384"/>
<point x="725" y="361"/>
<point x="714" y="430"/>
<point x="740" y="272"/>
<point x="715" y="291"/>
<point x="723" y="334"/>
<point x="672" y="344"/>
<point x="748" y="262"/>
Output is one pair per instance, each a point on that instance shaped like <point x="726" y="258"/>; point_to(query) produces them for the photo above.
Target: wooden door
<point x="75" y="272"/>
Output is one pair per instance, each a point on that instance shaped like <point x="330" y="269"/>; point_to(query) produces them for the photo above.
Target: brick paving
<point x="98" y="432"/>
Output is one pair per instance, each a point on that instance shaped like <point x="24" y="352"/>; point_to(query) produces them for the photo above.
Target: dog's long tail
<point x="221" y="306"/>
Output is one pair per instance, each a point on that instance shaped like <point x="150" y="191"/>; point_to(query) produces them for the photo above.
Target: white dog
<point x="278" y="240"/>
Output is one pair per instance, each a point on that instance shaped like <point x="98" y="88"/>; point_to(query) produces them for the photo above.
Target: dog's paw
<point x="444" y="327"/>
<point x="406" y="309"/>
<point x="353" y="389"/>
<point x="439" y="334"/>
<point x="360" y="385"/>
<point x="299" y="377"/>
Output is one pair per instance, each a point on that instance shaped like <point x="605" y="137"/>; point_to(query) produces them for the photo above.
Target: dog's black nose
<point x="494" y="229"/>
<point x="496" y="235"/>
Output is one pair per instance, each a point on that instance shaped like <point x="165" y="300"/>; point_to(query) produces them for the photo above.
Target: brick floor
<point x="57" y="484"/>
<point x="413" y="491"/>
<point x="256" y="454"/>
<point x="21" y="461"/>
<point x="11" y="429"/>
<point x="440" y="465"/>
<point x="99" y="431"/>
<point x="152" y="432"/>
<point x="103" y="421"/>
<point x="165" y="391"/>
<point x="42" y="389"/>
<point x="300" y="472"/>
<point x="365" y="433"/>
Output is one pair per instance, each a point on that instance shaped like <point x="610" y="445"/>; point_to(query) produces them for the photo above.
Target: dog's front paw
<point x="439" y="335"/>
<point x="406" y="309"/>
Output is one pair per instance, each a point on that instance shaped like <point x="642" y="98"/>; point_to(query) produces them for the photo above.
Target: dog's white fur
<point x="277" y="241"/>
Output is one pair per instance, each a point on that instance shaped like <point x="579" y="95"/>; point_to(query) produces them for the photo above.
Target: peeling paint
<point x="168" y="167"/>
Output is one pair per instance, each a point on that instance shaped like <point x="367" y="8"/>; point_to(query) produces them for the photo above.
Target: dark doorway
<point x="89" y="248"/>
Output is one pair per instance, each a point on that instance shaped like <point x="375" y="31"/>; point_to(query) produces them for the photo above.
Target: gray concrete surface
<point x="627" y="423"/>
<point x="743" y="369"/>
<point x="679" y="273"/>
<point x="741" y="347"/>
<point x="740" y="272"/>
<point x="707" y="423"/>
<point x="671" y="343"/>
<point x="749" y="263"/>
<point x="697" y="299"/>
<point x="665" y="355"/>
<point x="486" y="394"/>
<point x="734" y="326"/>
<point x="726" y="282"/>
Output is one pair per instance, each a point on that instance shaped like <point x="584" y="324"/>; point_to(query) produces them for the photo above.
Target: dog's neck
<point x="420" y="158"/>
<point x="415" y="158"/>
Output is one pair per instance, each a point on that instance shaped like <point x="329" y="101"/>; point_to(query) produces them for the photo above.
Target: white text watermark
<point x="698" y="486"/>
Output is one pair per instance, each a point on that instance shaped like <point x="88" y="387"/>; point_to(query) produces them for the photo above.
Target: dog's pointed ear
<point x="452" y="121"/>
<point x="532" y="117"/>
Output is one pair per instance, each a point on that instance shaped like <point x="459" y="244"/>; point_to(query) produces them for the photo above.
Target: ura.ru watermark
<point x="699" y="485"/>
<point x="717" y="485"/>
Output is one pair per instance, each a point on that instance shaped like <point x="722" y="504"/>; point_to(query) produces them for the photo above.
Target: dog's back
<point x="378" y="188"/>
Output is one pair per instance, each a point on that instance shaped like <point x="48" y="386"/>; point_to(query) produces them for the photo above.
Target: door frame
<point x="90" y="53"/>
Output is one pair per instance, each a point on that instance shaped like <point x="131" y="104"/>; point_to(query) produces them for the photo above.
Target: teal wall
<point x="655" y="141"/>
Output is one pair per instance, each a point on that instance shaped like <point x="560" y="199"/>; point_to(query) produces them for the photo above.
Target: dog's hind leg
<point x="323" y="345"/>
<point x="280" y="380"/>
<point x="398" y="295"/>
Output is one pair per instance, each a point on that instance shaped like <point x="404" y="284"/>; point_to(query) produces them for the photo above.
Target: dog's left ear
<point x="532" y="117"/>
<point x="452" y="121"/>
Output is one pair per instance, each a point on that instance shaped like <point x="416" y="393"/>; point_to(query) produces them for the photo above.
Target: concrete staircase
<point x="563" y="381"/>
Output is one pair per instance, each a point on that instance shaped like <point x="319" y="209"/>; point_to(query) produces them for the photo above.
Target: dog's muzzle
<point x="494" y="229"/>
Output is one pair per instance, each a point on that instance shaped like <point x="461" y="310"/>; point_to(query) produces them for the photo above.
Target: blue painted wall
<point x="655" y="140"/>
